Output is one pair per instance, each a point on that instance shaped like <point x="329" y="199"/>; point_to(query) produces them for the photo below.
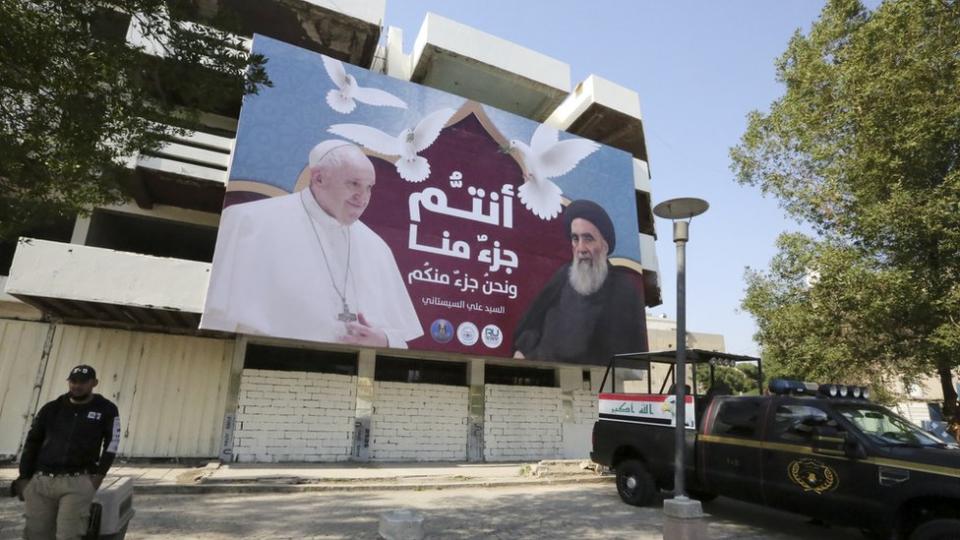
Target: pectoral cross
<point x="346" y="315"/>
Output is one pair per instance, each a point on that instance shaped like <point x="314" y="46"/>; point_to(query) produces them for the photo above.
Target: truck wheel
<point x="634" y="483"/>
<point x="937" y="529"/>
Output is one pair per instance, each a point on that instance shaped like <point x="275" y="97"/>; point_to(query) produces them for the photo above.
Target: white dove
<point x="406" y="145"/>
<point x="548" y="157"/>
<point x="345" y="96"/>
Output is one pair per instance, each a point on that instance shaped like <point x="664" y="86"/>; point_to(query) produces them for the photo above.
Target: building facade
<point x="123" y="287"/>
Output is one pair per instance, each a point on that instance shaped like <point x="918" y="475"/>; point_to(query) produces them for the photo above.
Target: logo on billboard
<point x="441" y="330"/>
<point x="492" y="336"/>
<point x="468" y="334"/>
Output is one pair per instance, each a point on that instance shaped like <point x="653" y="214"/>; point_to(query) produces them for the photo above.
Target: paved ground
<point x="587" y="511"/>
<point x="148" y="477"/>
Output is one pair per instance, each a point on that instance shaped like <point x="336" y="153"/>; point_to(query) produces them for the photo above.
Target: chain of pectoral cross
<point x="346" y="315"/>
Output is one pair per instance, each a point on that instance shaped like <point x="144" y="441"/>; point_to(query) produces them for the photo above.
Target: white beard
<point x="586" y="276"/>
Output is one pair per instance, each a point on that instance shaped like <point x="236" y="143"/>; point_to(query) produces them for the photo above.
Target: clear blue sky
<point x="699" y="68"/>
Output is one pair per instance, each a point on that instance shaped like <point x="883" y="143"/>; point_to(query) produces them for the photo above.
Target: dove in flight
<point x="547" y="157"/>
<point x="345" y="96"/>
<point x="406" y="145"/>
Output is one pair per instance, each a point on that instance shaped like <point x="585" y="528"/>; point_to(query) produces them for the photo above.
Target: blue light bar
<point x="789" y="386"/>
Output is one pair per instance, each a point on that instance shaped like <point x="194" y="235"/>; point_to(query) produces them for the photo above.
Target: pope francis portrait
<point x="303" y="266"/>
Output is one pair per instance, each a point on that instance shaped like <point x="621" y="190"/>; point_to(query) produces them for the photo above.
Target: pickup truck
<point x="824" y="451"/>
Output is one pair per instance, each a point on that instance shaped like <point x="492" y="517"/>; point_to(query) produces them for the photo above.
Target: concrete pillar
<point x="80" y="229"/>
<point x="575" y="431"/>
<point x="239" y="352"/>
<point x="683" y="520"/>
<point x="366" y="368"/>
<point x="571" y="379"/>
<point x="476" y="408"/>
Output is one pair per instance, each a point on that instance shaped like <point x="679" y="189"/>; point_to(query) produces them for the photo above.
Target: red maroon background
<point x="541" y="246"/>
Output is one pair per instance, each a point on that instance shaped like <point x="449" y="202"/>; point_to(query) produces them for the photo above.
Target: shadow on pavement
<point x="545" y="512"/>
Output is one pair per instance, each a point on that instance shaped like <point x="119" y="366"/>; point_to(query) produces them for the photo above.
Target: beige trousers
<point x="58" y="507"/>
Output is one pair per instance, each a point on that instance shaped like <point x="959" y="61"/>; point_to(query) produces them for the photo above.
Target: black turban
<point x="595" y="214"/>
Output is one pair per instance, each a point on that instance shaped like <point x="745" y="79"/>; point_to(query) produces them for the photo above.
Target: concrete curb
<point x="253" y="488"/>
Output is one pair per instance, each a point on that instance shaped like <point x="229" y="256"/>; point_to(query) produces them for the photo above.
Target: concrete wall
<point x="662" y="335"/>
<point x="294" y="416"/>
<point x="419" y="422"/>
<point x="522" y="423"/>
<point x="915" y="411"/>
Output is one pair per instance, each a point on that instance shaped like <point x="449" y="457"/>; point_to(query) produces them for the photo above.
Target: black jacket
<point x="619" y="328"/>
<point x="67" y="438"/>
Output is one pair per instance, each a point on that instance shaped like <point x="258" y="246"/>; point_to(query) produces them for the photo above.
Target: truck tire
<point x="937" y="529"/>
<point x="634" y="484"/>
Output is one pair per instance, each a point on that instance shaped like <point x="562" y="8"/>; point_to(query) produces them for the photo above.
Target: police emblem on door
<point x="812" y="475"/>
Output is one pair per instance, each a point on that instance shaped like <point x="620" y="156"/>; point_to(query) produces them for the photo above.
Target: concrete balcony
<point x="13" y="308"/>
<point x="464" y="61"/>
<point x="348" y="31"/>
<point x="605" y="112"/>
<point x="81" y="284"/>
<point x="188" y="171"/>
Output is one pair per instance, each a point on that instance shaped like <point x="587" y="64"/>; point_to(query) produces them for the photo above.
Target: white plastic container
<point x="115" y="498"/>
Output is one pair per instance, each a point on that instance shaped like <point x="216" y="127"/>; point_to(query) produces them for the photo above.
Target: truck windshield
<point x="886" y="428"/>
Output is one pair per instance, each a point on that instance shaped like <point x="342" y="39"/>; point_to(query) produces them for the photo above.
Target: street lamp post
<point x="680" y="211"/>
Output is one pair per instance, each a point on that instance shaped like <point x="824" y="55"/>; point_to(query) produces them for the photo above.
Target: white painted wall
<point x="915" y="411"/>
<point x="522" y="423"/>
<point x="595" y="90"/>
<point x="491" y="50"/>
<point x="662" y="335"/>
<point x="58" y="270"/>
<point x="170" y="390"/>
<point x="577" y="432"/>
<point x="21" y="347"/>
<point x="419" y="422"/>
<point x="294" y="416"/>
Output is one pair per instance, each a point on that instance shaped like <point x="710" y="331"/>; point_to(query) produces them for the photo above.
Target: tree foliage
<point x="864" y="147"/>
<point x="741" y="379"/>
<point x="77" y="100"/>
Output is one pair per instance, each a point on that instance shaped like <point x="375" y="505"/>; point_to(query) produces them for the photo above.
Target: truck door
<point x="730" y="449"/>
<point x="805" y="469"/>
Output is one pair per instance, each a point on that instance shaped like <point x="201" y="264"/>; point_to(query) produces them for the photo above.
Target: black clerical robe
<point x="562" y="325"/>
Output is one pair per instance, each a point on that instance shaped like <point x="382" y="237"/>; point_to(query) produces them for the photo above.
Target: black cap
<point x="594" y="213"/>
<point x="82" y="373"/>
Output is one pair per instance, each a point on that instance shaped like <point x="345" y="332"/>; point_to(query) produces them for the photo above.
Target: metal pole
<point x="681" y="234"/>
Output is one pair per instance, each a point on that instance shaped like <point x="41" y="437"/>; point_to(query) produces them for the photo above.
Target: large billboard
<point x="365" y="210"/>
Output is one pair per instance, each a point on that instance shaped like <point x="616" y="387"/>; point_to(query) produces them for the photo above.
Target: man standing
<point x="303" y="265"/>
<point x="68" y="451"/>
<point x="588" y="311"/>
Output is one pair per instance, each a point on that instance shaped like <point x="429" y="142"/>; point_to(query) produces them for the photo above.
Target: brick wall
<point x="522" y="423"/>
<point x="418" y="422"/>
<point x="294" y="416"/>
<point x="585" y="410"/>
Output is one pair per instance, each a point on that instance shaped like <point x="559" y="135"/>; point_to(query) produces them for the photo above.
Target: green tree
<point x="730" y="377"/>
<point x="76" y="99"/>
<point x="863" y="146"/>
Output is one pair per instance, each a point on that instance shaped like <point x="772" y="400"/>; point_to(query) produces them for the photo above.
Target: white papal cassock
<point x="269" y="276"/>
